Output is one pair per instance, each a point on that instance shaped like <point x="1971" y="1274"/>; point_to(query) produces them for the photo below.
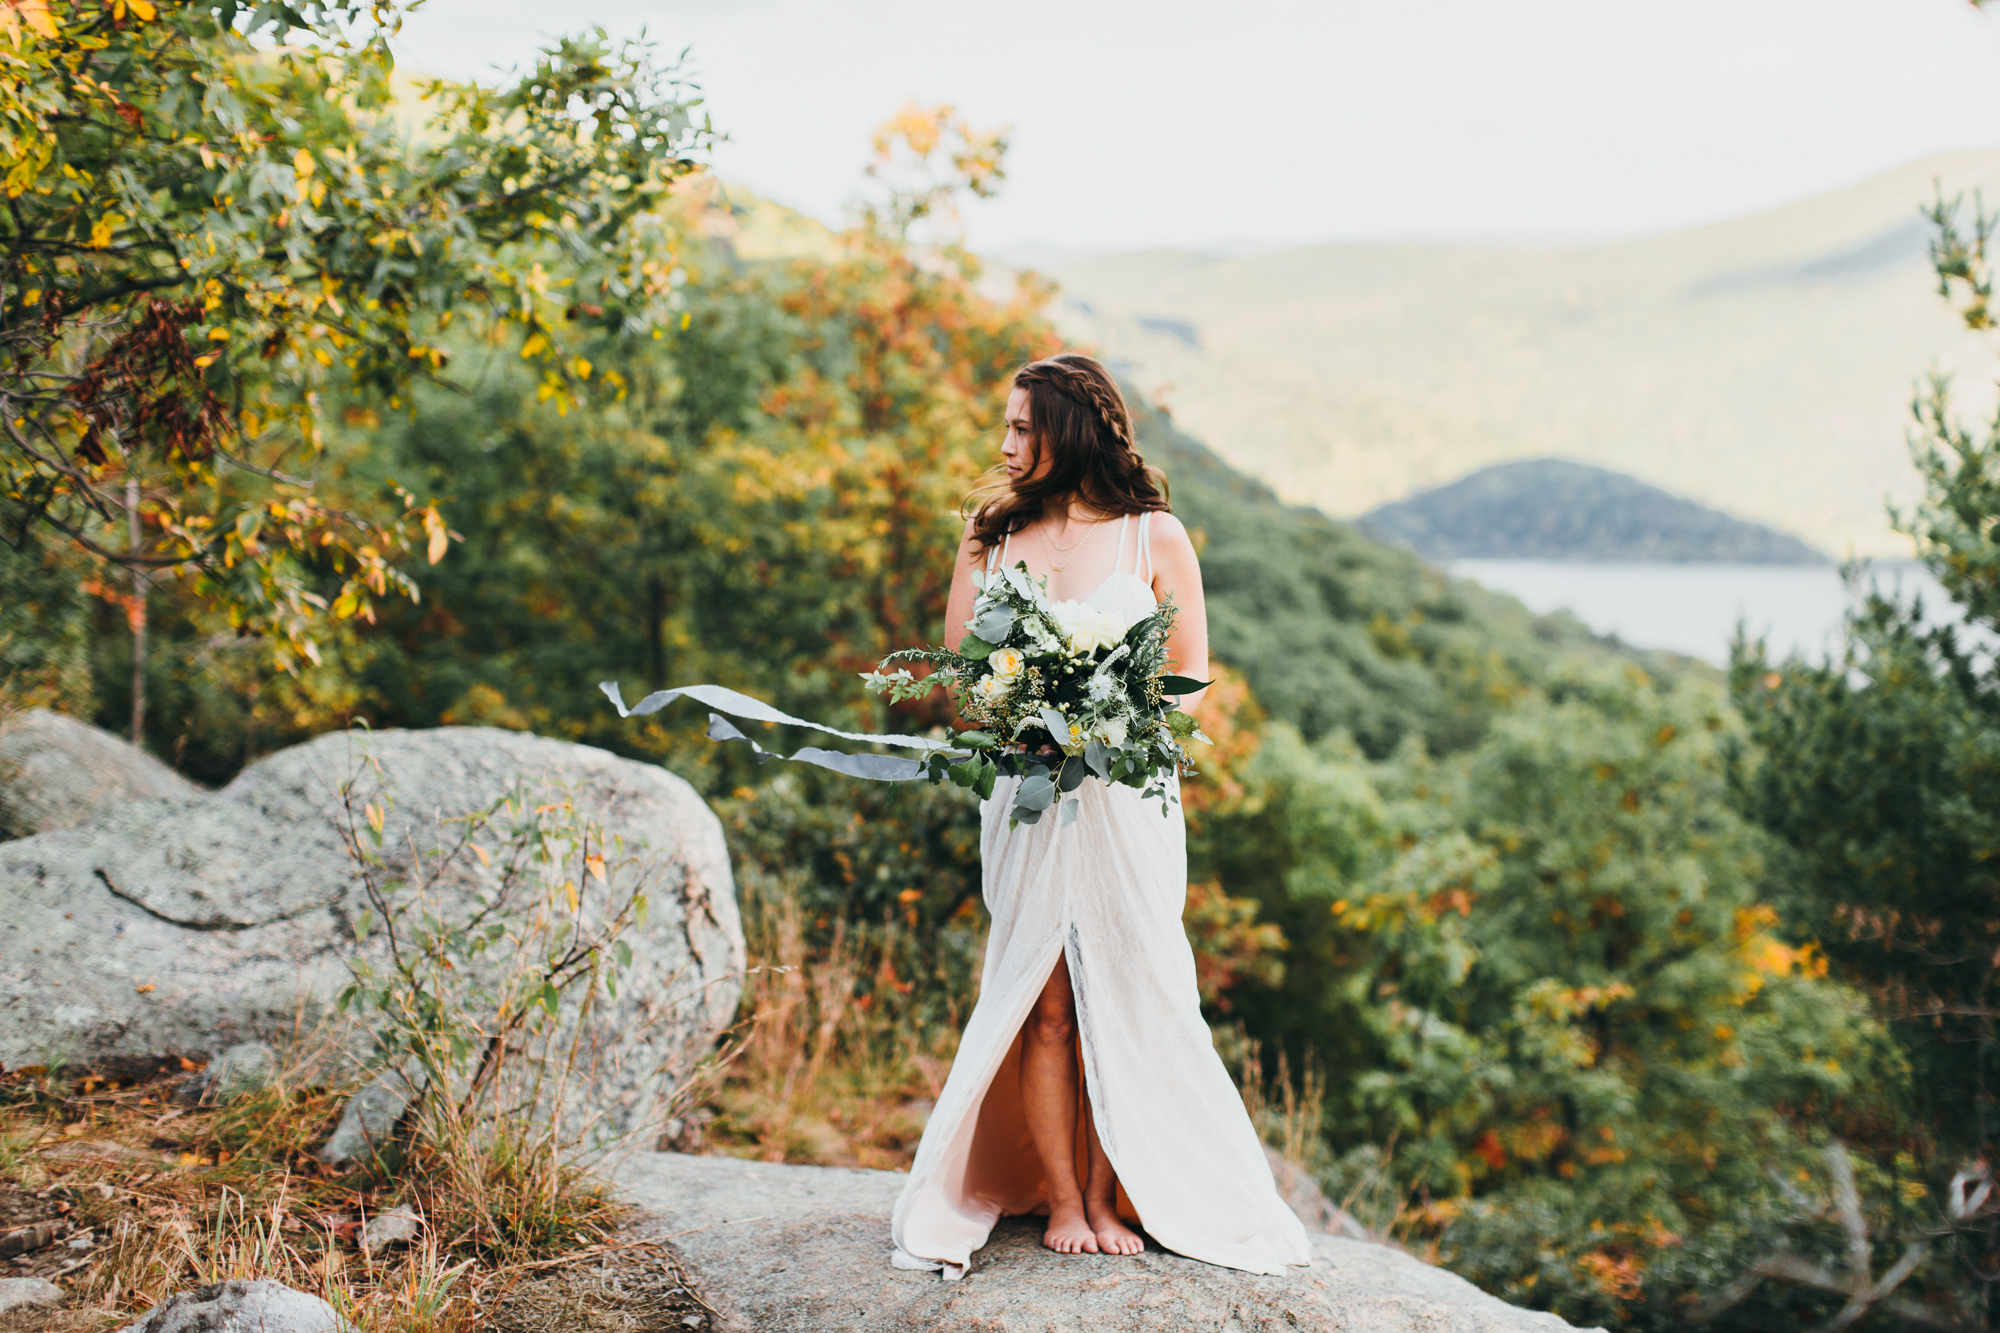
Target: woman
<point x="1086" y="1083"/>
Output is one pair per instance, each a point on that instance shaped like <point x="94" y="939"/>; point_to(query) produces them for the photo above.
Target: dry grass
<point x="834" y="1063"/>
<point x="166" y="1193"/>
<point x="1288" y="1112"/>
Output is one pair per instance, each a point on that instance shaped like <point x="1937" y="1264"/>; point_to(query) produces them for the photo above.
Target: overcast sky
<point x="1166" y="122"/>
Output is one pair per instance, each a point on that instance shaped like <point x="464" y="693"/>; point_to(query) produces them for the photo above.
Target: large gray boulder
<point x="56" y="772"/>
<point x="776" y="1247"/>
<point x="187" y="925"/>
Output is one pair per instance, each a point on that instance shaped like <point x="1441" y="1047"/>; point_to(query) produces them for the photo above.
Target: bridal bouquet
<point x="1058" y="691"/>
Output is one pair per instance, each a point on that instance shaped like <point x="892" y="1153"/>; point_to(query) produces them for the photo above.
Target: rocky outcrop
<point x="797" y="1247"/>
<point x="188" y="924"/>
<point x="56" y="772"/>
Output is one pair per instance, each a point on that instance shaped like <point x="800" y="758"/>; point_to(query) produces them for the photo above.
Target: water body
<point x="1694" y="608"/>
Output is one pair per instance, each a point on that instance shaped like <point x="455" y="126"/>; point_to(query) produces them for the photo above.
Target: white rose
<point x="1112" y="731"/>
<point x="1007" y="664"/>
<point x="1086" y="628"/>
<point x="990" y="690"/>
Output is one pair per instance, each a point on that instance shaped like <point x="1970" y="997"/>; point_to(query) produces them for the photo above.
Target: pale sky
<point x="1165" y="122"/>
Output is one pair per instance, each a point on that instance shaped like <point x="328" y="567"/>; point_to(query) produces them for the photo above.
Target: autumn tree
<point x="219" y="218"/>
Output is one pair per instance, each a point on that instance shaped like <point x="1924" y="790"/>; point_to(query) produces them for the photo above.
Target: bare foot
<point x="1070" y="1231"/>
<point x="1113" y="1236"/>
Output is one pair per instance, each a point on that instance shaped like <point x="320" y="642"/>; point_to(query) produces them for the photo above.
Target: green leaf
<point x="623" y="953"/>
<point x="1179" y="685"/>
<point x="1035" y="793"/>
<point x="1094" y="756"/>
<point x="978" y="740"/>
<point x="975" y="648"/>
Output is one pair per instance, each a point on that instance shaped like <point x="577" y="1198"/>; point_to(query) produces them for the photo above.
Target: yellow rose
<point x="1007" y="663"/>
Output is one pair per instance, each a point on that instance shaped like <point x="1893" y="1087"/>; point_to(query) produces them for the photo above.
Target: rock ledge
<point x="799" y="1247"/>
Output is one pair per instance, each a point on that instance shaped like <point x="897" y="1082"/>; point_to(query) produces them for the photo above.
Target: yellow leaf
<point x="218" y="335"/>
<point x="595" y="864"/>
<point x="207" y="360"/>
<point x="569" y="891"/>
<point x="374" y="813"/>
<point x="144" y="9"/>
<point x="536" y="343"/>
<point x="145" y="988"/>
<point x="35" y="13"/>
<point x="104" y="229"/>
<point x="302" y="163"/>
<point x="440" y="539"/>
<point x="480" y="852"/>
<point x="581" y="367"/>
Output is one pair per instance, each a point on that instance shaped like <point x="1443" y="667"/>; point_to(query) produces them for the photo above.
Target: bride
<point x="1086" y="1084"/>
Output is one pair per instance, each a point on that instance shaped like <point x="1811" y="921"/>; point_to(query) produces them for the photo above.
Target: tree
<point x="216" y="219"/>
<point x="1879" y="774"/>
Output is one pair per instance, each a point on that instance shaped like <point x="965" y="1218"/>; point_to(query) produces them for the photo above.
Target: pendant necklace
<point x="1047" y="544"/>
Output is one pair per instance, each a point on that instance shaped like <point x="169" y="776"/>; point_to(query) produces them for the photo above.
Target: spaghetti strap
<point x="1145" y="552"/>
<point x="1118" y="556"/>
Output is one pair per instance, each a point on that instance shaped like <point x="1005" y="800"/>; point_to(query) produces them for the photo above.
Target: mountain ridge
<point x="1558" y="509"/>
<point x="1762" y="365"/>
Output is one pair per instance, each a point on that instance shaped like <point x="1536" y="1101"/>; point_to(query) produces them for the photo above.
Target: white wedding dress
<point x="1108" y="891"/>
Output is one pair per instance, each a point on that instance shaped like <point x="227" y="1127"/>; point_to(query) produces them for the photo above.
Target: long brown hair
<point x="1081" y="424"/>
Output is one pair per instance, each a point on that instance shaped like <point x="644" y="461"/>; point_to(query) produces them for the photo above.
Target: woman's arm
<point x="958" y="606"/>
<point x="1177" y="571"/>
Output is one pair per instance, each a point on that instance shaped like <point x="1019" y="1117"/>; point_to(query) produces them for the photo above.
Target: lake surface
<point x="1695" y="608"/>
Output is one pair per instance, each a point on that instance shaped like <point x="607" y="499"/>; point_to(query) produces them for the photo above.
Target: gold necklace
<point x="1048" y="544"/>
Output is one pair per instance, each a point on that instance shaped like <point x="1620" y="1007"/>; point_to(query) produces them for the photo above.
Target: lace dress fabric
<point x="1106" y="892"/>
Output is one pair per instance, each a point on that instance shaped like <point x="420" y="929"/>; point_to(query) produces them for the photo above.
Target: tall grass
<point x="842" y="1049"/>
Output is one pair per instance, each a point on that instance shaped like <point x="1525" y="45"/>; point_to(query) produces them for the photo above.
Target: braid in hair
<point x="1079" y="420"/>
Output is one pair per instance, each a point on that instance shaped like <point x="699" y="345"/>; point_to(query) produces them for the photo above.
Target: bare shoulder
<point x="1168" y="536"/>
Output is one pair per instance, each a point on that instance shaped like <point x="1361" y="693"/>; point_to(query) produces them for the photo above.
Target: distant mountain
<point x="1762" y="365"/>
<point x="1553" y="509"/>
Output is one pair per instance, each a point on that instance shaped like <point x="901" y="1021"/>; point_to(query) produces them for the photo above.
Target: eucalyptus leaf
<point x="1036" y="793"/>
<point x="1096" y="758"/>
<point x="1069" y="811"/>
<point x="975" y="648"/>
<point x="1071" y="775"/>
<point x="995" y="623"/>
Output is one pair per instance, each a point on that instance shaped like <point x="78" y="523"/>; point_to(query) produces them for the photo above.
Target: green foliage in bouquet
<point x="1042" y="678"/>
